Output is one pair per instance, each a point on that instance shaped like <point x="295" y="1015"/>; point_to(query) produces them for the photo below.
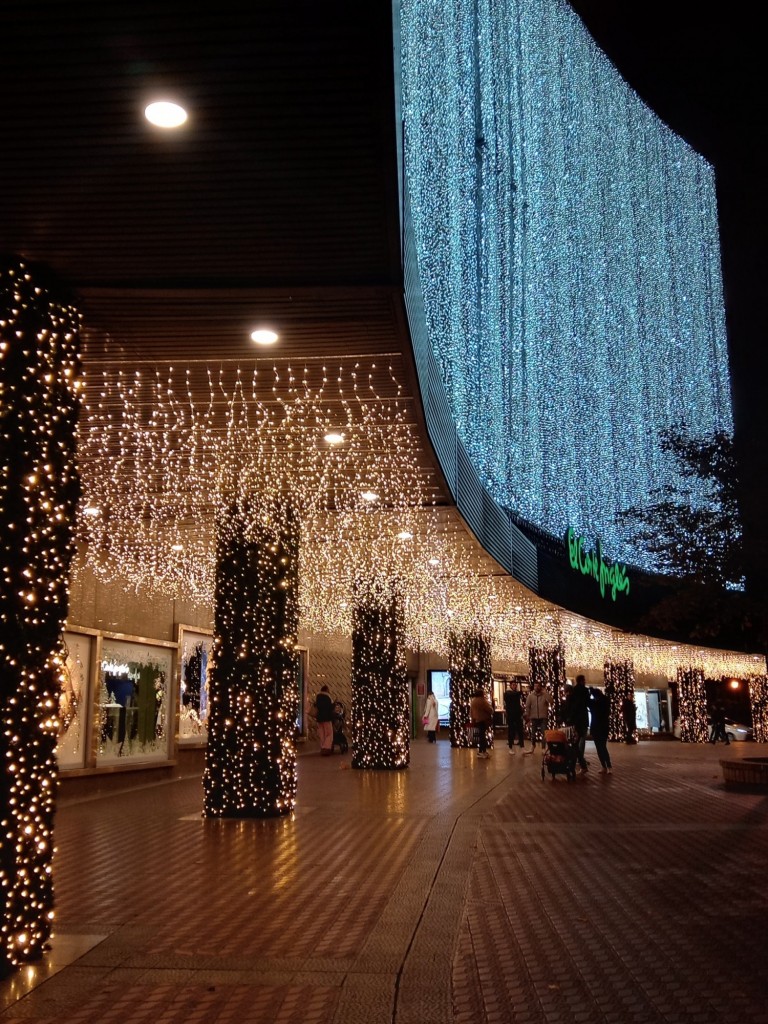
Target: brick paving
<point x="458" y="891"/>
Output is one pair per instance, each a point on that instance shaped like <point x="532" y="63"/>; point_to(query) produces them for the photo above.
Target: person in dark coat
<point x="629" y="714"/>
<point x="513" y="707"/>
<point x="718" y="724"/>
<point x="481" y="714"/>
<point x="600" y="721"/>
<point x="577" y="716"/>
<point x="323" y="708"/>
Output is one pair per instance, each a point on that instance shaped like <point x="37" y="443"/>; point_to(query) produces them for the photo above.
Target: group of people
<point x="586" y="711"/>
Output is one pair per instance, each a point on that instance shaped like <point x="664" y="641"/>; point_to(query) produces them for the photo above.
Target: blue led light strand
<point x="568" y="252"/>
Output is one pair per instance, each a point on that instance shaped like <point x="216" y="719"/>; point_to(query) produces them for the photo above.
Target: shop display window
<point x="194" y="666"/>
<point x="74" y="699"/>
<point x="133" y="709"/>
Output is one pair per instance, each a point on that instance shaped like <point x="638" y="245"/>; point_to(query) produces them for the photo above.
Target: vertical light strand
<point x="39" y="489"/>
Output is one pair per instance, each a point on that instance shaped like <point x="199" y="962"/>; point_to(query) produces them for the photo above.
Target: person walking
<point x="600" y="722"/>
<point x="536" y="711"/>
<point x="430" y="717"/>
<point x="577" y="716"/>
<point x="718" y="724"/>
<point x="323" y="707"/>
<point x="513" y="708"/>
<point x="481" y="714"/>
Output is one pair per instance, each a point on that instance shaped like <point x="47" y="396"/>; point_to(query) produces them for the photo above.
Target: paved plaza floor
<point x="460" y="890"/>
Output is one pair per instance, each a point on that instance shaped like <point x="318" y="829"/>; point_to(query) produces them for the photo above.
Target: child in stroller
<point x="560" y="755"/>
<point x="339" y="721"/>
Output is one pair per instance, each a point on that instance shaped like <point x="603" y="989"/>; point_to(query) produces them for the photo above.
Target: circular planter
<point x="749" y="772"/>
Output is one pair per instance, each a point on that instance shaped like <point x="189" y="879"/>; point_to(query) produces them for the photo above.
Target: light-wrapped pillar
<point x="547" y="666"/>
<point x="758" y="703"/>
<point x="380" y="718"/>
<point x="619" y="679"/>
<point x="692" y="705"/>
<point x="39" y="490"/>
<point x="250" y="768"/>
<point x="469" y="662"/>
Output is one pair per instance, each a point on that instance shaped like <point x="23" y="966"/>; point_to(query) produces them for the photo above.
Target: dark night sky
<point x="702" y="69"/>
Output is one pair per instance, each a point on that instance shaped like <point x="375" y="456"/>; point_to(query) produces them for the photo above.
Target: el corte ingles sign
<point x="611" y="576"/>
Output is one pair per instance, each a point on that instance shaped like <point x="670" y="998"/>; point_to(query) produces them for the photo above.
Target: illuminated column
<point x="758" y="702"/>
<point x="380" y="698"/>
<point x="547" y="666"/>
<point x="619" y="679"/>
<point x="39" y="490"/>
<point x="692" y="704"/>
<point x="250" y="768"/>
<point x="469" y="662"/>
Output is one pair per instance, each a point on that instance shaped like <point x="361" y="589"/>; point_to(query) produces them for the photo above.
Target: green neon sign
<point x="610" y="575"/>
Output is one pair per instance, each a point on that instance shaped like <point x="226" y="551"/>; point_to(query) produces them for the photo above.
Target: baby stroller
<point x="339" y="721"/>
<point x="559" y="755"/>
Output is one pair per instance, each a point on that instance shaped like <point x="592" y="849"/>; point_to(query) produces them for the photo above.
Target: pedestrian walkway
<point x="460" y="890"/>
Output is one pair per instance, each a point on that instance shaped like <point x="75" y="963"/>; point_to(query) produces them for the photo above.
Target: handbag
<point x="425" y="719"/>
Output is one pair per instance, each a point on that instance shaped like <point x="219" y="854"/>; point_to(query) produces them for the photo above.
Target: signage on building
<point x="610" y="576"/>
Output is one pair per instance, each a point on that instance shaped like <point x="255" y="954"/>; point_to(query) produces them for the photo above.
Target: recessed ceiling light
<point x="164" y="114"/>
<point x="405" y="535"/>
<point x="177" y="547"/>
<point x="333" y="438"/>
<point x="263" y="336"/>
<point x="369" y="496"/>
<point x="91" y="510"/>
<point x="434" y="561"/>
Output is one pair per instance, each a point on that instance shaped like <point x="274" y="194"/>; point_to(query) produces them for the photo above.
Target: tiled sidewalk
<point x="459" y="890"/>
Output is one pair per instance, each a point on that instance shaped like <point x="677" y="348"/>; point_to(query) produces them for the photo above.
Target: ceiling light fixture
<point x="369" y="496"/>
<point x="164" y="114"/>
<point x="264" y="336"/>
<point x="333" y="438"/>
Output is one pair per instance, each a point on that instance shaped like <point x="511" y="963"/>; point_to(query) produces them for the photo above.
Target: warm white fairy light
<point x="157" y="461"/>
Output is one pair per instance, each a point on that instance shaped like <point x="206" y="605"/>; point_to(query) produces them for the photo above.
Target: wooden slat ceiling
<point x="276" y="204"/>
